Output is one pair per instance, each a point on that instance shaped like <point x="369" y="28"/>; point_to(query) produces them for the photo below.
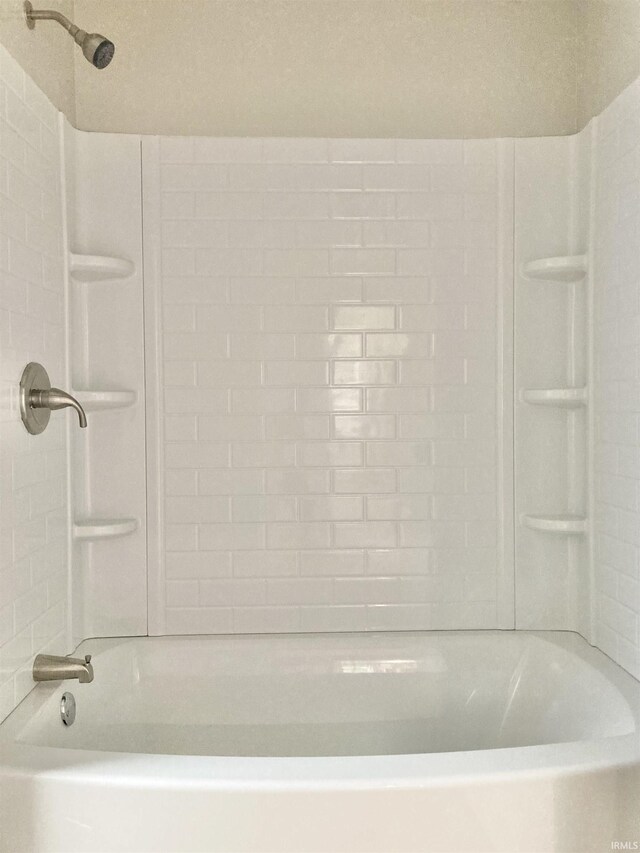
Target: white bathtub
<point x="471" y="741"/>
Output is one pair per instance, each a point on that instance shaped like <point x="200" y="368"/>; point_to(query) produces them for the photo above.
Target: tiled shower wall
<point x="331" y="334"/>
<point x="33" y="470"/>
<point x="617" y="349"/>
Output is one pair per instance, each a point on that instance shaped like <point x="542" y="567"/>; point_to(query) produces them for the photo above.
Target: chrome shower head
<point x="96" y="48"/>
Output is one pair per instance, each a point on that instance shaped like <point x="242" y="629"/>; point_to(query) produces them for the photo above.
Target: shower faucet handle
<point x="38" y="399"/>
<point x="54" y="399"/>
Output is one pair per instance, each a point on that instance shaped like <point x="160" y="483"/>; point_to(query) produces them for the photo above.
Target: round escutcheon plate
<point x="34" y="378"/>
<point x="68" y="709"/>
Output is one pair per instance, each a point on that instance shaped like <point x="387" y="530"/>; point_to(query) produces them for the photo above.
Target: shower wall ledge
<point x="91" y="268"/>
<point x="104" y="528"/>
<point x="564" y="398"/>
<point x="100" y="401"/>
<point x="564" y="268"/>
<point x="569" y="525"/>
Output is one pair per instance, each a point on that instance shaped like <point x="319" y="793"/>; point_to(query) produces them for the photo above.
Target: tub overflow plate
<point x="68" y="709"/>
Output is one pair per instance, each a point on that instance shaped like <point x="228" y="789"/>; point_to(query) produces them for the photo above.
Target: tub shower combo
<point x="332" y="573"/>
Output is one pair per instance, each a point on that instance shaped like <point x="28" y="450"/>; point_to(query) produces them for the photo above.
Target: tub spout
<point x="57" y="668"/>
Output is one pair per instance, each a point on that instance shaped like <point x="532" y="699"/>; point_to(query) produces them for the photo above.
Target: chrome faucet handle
<point x="38" y="399"/>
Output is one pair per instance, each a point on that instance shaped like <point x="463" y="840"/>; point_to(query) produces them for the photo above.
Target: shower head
<point x="96" y="48"/>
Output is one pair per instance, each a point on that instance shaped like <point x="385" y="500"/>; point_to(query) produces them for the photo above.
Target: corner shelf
<point x="564" y="268"/>
<point x="565" y="398"/>
<point x="90" y="529"/>
<point x="569" y="525"/>
<point x="101" y="401"/>
<point x="90" y="268"/>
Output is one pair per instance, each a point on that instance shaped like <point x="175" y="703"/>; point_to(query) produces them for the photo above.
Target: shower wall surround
<point x="331" y="326"/>
<point x="33" y="470"/>
<point x="616" y="255"/>
<point x="328" y="346"/>
<point x="551" y="332"/>
<point x="106" y="346"/>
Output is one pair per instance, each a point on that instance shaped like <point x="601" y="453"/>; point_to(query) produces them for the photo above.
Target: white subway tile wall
<point x="329" y="379"/>
<point x="33" y="470"/>
<point x="617" y="346"/>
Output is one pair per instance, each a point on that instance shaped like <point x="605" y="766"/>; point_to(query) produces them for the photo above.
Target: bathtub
<point x="446" y="741"/>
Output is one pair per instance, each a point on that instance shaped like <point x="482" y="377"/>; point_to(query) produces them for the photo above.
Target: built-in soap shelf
<point x="101" y="401"/>
<point x="569" y="525"/>
<point x="90" y="268"/>
<point x="91" y="529"/>
<point x="565" y="398"/>
<point x="564" y="268"/>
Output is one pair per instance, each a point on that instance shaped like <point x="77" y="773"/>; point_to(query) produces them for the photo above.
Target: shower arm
<point x="32" y="15"/>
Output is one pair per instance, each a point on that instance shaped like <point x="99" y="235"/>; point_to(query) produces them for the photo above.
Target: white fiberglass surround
<point x="329" y="385"/>
<point x="314" y="341"/>
<point x="450" y="741"/>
